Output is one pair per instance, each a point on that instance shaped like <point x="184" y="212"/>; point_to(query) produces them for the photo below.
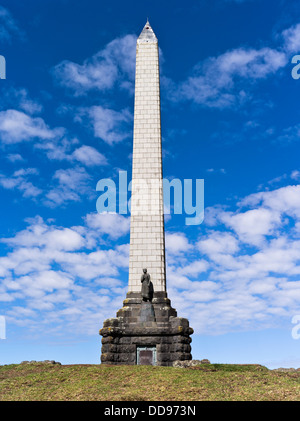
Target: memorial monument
<point x="147" y="329"/>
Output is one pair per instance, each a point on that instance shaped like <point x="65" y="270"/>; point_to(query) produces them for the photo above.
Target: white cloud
<point x="72" y="178"/>
<point x="15" y="157"/>
<point x="8" y="26"/>
<point x="53" y="274"/>
<point x="109" y="125"/>
<point x="82" y="78"/>
<point x="58" y="239"/>
<point x="226" y="80"/>
<point x="19" y="180"/>
<point x="89" y="156"/>
<point x="248" y="63"/>
<point x="213" y="170"/>
<point x="61" y="150"/>
<point x="247" y="287"/>
<point x="295" y="175"/>
<point x="283" y="200"/>
<point x="253" y="225"/>
<point x="216" y="82"/>
<point x="194" y="269"/>
<point x="19" y="98"/>
<point x="289" y="134"/>
<point x="114" y="64"/>
<point x="58" y="148"/>
<point x="45" y="281"/>
<point x="70" y="276"/>
<point x="219" y="242"/>
<point x="16" y="126"/>
<point x="291" y="37"/>
<point x="113" y="224"/>
<point x="71" y="184"/>
<point x="176" y="243"/>
<point x="67" y="185"/>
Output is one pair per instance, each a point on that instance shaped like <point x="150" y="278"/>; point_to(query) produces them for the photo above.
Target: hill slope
<point x="40" y="381"/>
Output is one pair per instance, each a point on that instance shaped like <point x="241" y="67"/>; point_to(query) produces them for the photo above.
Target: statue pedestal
<point x="147" y="312"/>
<point x="146" y="325"/>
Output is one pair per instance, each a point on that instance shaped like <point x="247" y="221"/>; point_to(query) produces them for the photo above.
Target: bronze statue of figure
<point x="147" y="287"/>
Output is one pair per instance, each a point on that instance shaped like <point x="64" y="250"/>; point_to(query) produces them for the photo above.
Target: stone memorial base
<point x="146" y="333"/>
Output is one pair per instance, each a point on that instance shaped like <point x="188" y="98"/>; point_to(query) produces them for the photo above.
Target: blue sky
<point x="230" y="116"/>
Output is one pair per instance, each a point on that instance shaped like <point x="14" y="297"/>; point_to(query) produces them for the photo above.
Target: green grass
<point x="132" y="383"/>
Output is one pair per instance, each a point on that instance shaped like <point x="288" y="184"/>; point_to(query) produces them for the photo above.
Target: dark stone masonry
<point x="146" y="333"/>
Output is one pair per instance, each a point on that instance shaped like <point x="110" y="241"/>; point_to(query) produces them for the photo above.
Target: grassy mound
<point x="38" y="381"/>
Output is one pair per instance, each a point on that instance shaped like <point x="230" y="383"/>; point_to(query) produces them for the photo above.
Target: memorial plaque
<point x="146" y="356"/>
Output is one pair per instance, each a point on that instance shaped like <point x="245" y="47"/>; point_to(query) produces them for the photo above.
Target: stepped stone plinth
<point x="137" y="327"/>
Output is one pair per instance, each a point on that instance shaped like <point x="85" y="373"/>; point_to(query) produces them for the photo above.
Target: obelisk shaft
<point x="147" y="242"/>
<point x="152" y="323"/>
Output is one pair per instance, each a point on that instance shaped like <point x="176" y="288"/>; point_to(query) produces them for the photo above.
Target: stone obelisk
<point x="147" y="247"/>
<point x="146" y="329"/>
